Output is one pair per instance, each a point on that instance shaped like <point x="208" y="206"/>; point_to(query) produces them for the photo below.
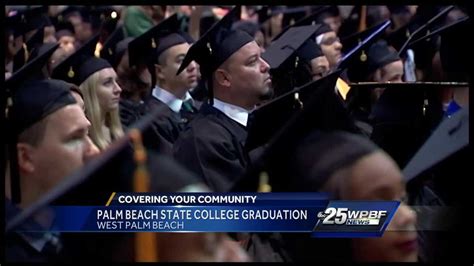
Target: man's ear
<point x="159" y="72"/>
<point x="25" y="158"/>
<point x="222" y="77"/>
<point x="378" y="75"/>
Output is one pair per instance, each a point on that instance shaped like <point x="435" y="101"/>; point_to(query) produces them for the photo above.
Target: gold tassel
<point x="98" y="47"/>
<point x="70" y="73"/>
<point x="264" y="186"/>
<point x="363" y="56"/>
<point x="146" y="246"/>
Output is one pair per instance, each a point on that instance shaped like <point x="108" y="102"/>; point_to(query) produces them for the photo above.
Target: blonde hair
<point x="94" y="112"/>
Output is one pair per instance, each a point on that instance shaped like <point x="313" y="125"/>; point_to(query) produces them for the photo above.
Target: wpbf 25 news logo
<point x="355" y="218"/>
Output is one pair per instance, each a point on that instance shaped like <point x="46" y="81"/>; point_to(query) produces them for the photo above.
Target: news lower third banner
<point x="229" y="212"/>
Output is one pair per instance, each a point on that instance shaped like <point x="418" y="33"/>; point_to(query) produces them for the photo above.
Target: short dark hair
<point x="34" y="134"/>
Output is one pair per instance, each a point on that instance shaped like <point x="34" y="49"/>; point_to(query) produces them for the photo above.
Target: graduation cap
<point x="77" y="67"/>
<point x="36" y="18"/>
<point x="35" y="41"/>
<point x="408" y="85"/>
<point x="316" y="99"/>
<point x="356" y="53"/>
<point x="125" y="166"/>
<point x="453" y="52"/>
<point x="216" y="46"/>
<point x="64" y="28"/>
<point x="143" y="49"/>
<point x="146" y="48"/>
<point x="402" y="100"/>
<point x="451" y="136"/>
<point x="31" y="101"/>
<point x="248" y="26"/>
<point x="22" y="56"/>
<point x="378" y="55"/>
<point x="404" y="115"/>
<point x="292" y="42"/>
<point x="32" y="70"/>
<point x="352" y="40"/>
<point x="108" y="51"/>
<point x="266" y="12"/>
<point x="420" y="23"/>
<point x="284" y="121"/>
<point x="290" y="58"/>
<point x="312" y="19"/>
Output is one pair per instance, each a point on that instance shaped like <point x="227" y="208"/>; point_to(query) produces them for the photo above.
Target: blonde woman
<point x="101" y="99"/>
<point x="97" y="81"/>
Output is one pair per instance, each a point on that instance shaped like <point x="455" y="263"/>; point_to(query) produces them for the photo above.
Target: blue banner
<point x="228" y="212"/>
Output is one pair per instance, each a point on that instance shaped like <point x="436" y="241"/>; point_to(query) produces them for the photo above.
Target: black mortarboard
<point x="248" y="26"/>
<point x="266" y="12"/>
<point x="420" y="23"/>
<point x="355" y="54"/>
<point x="269" y="119"/>
<point x="31" y="102"/>
<point x="36" y="18"/>
<point x="216" y="46"/>
<point x="321" y="154"/>
<point x="35" y="41"/>
<point x="297" y="13"/>
<point x="403" y="116"/>
<point x="351" y="41"/>
<point x="378" y="55"/>
<point x="289" y="44"/>
<point x="454" y="53"/>
<point x="285" y="121"/>
<point x="187" y="37"/>
<point x="109" y="51"/>
<point x="451" y="136"/>
<point x="32" y="70"/>
<point x="64" y="28"/>
<point x="77" y="67"/>
<point x="116" y="170"/>
<point x="311" y="19"/>
<point x="66" y="13"/>
<point x="169" y="41"/>
<point x="143" y="49"/>
<point x="408" y="85"/>
<point x="36" y="99"/>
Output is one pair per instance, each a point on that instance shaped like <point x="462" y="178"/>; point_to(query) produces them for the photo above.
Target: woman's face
<point x="108" y="91"/>
<point x="377" y="177"/>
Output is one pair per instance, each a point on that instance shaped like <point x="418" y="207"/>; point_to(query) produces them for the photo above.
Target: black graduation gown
<point x="165" y="129"/>
<point x="18" y="249"/>
<point x="398" y="123"/>
<point x="130" y="112"/>
<point x="212" y="146"/>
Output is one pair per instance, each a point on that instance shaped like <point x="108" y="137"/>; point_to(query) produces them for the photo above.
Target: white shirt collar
<point x="169" y="99"/>
<point x="236" y="113"/>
